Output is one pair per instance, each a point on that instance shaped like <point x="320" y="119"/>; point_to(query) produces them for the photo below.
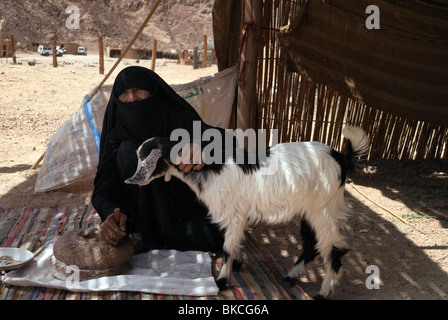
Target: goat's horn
<point x="146" y="168"/>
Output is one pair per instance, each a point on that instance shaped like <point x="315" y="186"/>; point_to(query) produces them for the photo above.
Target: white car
<point x="45" y="50"/>
<point x="82" y="50"/>
<point x="62" y="50"/>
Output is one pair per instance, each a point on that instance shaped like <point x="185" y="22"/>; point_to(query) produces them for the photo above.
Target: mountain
<point x="176" y="24"/>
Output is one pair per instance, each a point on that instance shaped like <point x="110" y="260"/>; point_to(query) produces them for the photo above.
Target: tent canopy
<point x="401" y="68"/>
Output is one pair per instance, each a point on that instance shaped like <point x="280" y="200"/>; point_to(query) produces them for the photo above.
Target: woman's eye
<point x="143" y="94"/>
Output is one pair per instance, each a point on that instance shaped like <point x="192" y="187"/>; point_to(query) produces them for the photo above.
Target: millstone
<point x="91" y="254"/>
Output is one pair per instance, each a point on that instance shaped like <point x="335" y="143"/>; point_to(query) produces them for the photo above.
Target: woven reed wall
<point x="302" y="110"/>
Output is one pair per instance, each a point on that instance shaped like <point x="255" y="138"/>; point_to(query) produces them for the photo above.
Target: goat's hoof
<point x="288" y="281"/>
<point x="236" y="265"/>
<point x="221" y="283"/>
<point x="319" y="297"/>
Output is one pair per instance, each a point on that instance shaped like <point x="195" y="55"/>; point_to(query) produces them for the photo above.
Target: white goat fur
<point x="306" y="182"/>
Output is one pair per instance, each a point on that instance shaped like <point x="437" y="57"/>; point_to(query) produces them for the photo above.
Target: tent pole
<point x="246" y="108"/>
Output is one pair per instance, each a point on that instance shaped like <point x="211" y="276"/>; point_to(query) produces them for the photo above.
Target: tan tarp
<point x="401" y="68"/>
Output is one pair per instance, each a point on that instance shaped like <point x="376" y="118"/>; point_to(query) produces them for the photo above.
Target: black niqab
<point x="157" y="115"/>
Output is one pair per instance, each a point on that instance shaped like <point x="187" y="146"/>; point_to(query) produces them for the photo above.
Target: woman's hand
<point x="190" y="157"/>
<point x="113" y="231"/>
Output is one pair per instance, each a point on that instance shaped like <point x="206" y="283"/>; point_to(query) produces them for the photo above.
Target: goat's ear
<point x="146" y="168"/>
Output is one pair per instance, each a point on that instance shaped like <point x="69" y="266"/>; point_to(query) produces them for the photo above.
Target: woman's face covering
<point x="142" y="105"/>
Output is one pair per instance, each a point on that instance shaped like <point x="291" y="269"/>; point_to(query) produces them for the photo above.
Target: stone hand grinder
<point x="89" y="252"/>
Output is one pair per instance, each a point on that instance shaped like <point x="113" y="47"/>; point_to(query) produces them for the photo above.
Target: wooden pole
<point x="214" y="60"/>
<point x="6" y="50"/>
<point x="2" y="38"/>
<point x="13" y="46"/>
<point x="55" y="58"/>
<point x="34" y="166"/>
<point x="195" y="58"/>
<point x="101" y="54"/>
<point x="154" y="55"/>
<point x="205" y="53"/>
<point x="247" y="103"/>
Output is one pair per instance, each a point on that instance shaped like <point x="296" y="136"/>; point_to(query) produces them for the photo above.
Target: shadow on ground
<point x="378" y="239"/>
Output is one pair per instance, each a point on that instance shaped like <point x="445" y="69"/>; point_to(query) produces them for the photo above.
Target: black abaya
<point x="166" y="214"/>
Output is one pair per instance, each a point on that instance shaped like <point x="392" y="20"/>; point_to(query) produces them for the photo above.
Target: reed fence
<point x="302" y="110"/>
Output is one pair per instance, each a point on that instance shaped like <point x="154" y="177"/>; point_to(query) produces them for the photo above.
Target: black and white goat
<point x="304" y="179"/>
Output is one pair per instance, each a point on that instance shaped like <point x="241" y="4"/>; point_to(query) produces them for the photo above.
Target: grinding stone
<point x="61" y="271"/>
<point x="88" y="250"/>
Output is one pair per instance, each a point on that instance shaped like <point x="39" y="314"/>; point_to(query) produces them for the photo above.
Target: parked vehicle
<point x="45" y="50"/>
<point x="62" y="50"/>
<point x="82" y="51"/>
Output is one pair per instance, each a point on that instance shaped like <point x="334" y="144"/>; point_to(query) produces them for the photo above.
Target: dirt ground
<point x="412" y="259"/>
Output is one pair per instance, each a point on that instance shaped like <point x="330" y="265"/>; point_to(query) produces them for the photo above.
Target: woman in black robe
<point x="165" y="214"/>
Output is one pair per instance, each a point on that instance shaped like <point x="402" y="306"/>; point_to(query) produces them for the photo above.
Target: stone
<point x="88" y="250"/>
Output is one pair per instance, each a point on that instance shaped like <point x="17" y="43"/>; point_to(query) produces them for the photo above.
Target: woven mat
<point x="29" y="228"/>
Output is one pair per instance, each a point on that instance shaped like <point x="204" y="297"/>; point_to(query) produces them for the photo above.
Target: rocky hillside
<point x="177" y="24"/>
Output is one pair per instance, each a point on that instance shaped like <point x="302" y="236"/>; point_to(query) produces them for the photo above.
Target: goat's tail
<point x="357" y="144"/>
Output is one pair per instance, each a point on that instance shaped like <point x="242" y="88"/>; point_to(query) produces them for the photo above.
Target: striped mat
<point x="29" y="228"/>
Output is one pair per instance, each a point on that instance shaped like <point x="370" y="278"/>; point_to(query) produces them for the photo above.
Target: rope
<point x="385" y="209"/>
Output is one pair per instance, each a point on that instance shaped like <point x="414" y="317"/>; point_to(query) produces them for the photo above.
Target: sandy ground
<point x="412" y="260"/>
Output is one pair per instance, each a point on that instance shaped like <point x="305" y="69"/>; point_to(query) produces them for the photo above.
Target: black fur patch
<point x="309" y="243"/>
<point x="236" y="265"/>
<point x="342" y="161"/>
<point x="160" y="143"/>
<point x="336" y="255"/>
<point x="221" y="283"/>
<point x="146" y="148"/>
<point x="288" y="281"/>
<point x="161" y="167"/>
<point x="201" y="176"/>
<point x="250" y="160"/>
<point x="225" y="256"/>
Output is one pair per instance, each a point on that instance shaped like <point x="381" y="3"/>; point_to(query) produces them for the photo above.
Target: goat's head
<point x="153" y="155"/>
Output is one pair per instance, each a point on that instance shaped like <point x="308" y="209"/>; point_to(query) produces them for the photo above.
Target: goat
<point x="307" y="180"/>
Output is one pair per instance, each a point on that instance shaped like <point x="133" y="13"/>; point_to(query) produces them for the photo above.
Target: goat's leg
<point x="309" y="253"/>
<point x="233" y="237"/>
<point x="237" y="263"/>
<point x="332" y="262"/>
<point x="226" y="271"/>
<point x="331" y="246"/>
